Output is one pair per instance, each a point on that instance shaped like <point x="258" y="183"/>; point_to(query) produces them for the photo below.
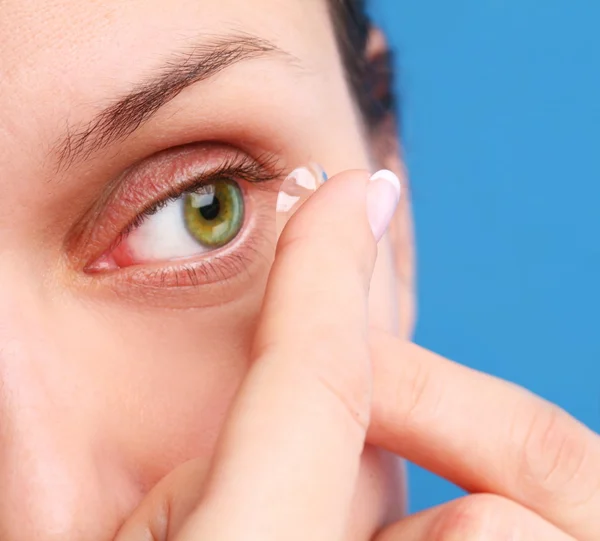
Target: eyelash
<point x="256" y="171"/>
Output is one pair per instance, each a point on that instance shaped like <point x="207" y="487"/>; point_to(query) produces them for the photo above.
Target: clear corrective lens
<point x="295" y="190"/>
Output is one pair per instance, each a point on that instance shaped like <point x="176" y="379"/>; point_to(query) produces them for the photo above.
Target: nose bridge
<point x="48" y="470"/>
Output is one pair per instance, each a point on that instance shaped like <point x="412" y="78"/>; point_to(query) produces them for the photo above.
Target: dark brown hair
<point x="371" y="78"/>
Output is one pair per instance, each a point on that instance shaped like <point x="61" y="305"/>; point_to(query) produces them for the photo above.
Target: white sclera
<point x="295" y="190"/>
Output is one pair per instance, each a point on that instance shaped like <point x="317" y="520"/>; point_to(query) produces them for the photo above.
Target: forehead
<point x="63" y="59"/>
<point x="58" y="38"/>
<point x="67" y="25"/>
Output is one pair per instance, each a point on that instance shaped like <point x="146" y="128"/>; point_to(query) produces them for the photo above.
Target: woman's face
<point x="121" y="347"/>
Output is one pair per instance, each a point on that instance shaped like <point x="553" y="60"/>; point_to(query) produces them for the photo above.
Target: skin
<point x="131" y="406"/>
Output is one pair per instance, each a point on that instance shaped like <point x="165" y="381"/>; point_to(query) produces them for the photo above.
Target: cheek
<point x="159" y="383"/>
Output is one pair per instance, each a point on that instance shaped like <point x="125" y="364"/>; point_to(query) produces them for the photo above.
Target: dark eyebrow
<point x="122" y="118"/>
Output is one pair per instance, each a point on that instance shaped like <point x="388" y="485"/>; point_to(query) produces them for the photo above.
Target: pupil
<point x="211" y="212"/>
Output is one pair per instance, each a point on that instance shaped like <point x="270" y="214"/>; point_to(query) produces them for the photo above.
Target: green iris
<point x="214" y="214"/>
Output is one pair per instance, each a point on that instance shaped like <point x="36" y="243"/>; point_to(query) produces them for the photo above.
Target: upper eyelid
<point x="266" y="168"/>
<point x="250" y="171"/>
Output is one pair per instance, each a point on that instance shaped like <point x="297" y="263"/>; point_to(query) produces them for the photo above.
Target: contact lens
<point x="295" y="190"/>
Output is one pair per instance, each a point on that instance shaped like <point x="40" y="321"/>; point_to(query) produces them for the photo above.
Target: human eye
<point x="189" y="216"/>
<point x="200" y="220"/>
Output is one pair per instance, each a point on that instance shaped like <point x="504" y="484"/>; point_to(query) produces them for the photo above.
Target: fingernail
<point x="383" y="195"/>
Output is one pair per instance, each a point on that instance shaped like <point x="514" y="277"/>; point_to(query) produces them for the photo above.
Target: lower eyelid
<point x="219" y="277"/>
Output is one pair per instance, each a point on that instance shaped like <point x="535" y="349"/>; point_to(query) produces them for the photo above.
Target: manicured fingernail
<point x="383" y="195"/>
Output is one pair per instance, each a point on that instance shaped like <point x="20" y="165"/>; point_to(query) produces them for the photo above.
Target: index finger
<point x="485" y="435"/>
<point x="289" y="455"/>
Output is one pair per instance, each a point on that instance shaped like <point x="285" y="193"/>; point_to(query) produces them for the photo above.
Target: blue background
<point x="501" y="120"/>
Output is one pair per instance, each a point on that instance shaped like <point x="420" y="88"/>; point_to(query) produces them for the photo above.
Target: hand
<point x="535" y="471"/>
